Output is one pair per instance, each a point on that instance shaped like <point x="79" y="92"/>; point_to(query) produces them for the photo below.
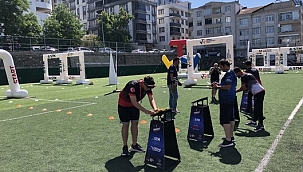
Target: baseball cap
<point x="149" y="81"/>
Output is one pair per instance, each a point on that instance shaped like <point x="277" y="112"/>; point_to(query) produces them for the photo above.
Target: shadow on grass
<point x="170" y="165"/>
<point x="200" y="146"/>
<point x="229" y="155"/>
<point x="122" y="164"/>
<point x="250" y="133"/>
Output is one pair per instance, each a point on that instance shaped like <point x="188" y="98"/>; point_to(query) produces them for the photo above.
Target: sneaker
<point x="232" y="139"/>
<point x="226" y="143"/>
<point x="252" y="124"/>
<point x="125" y="151"/>
<point x="136" y="148"/>
<point x="259" y="127"/>
<point x="177" y="111"/>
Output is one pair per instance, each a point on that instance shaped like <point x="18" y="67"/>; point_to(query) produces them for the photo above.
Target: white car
<point x="138" y="51"/>
<point x="84" y="49"/>
<point x="106" y="50"/>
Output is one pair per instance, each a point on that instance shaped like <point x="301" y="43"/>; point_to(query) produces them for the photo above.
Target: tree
<point x="90" y="40"/>
<point x="65" y="25"/>
<point x="11" y="12"/>
<point x="29" y="25"/>
<point x="115" y="27"/>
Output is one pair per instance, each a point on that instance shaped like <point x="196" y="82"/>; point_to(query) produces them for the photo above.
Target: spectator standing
<point x="172" y="83"/>
<point x="214" y="73"/>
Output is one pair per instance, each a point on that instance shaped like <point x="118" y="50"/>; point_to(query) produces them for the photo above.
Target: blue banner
<point x="243" y="106"/>
<point x="196" y="124"/>
<point x="155" y="146"/>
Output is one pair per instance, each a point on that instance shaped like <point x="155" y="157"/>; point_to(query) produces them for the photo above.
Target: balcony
<point x="140" y="21"/>
<point x="175" y="24"/>
<point x="175" y="15"/>
<point x="175" y="33"/>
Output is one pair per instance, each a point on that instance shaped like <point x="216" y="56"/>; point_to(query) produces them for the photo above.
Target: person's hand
<point x="149" y="112"/>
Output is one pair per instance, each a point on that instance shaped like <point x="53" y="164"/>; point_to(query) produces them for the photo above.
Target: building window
<point x="207" y="12"/>
<point x="84" y="12"/>
<point x="147" y="7"/>
<point x="270" y="41"/>
<point x="243" y="42"/>
<point x="217" y="10"/>
<point x="256" y="20"/>
<point x="269" y="29"/>
<point x="244" y="22"/>
<point x="182" y="13"/>
<point x="217" y="20"/>
<point x="199" y="14"/>
<point x="208" y="21"/>
<point x="285" y="16"/>
<point x="182" y="30"/>
<point x="217" y="30"/>
<point x="199" y="32"/>
<point x="208" y="31"/>
<point x="244" y="32"/>
<point x="228" y="30"/>
<point x="256" y="31"/>
<point x="228" y="9"/>
<point x="286" y="28"/>
<point x="162" y="38"/>
<point x="161" y="21"/>
<point x="161" y="29"/>
<point x="186" y="31"/>
<point x="227" y="19"/>
<point x="256" y="42"/>
<point x="160" y="12"/>
<point x="270" y="18"/>
<point x="199" y="23"/>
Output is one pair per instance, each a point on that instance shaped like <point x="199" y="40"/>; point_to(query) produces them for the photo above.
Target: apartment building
<point x="164" y="2"/>
<point x="79" y="8"/>
<point x="42" y="8"/>
<point x="142" y="29"/>
<point x="211" y="20"/>
<point x="274" y="25"/>
<point x="173" y="22"/>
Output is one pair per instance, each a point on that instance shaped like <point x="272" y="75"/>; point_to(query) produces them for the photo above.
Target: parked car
<point x="106" y="50"/>
<point x="154" y="51"/>
<point x="138" y="51"/>
<point x="84" y="49"/>
<point x="35" y="48"/>
<point x="163" y="51"/>
<point x="48" y="48"/>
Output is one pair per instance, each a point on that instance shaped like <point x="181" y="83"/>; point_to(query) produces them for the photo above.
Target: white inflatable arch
<point x="11" y="74"/>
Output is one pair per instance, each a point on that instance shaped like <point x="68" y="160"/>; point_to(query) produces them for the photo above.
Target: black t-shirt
<point x="254" y="72"/>
<point x="132" y="88"/>
<point x="215" y="75"/>
<point x="251" y="83"/>
<point x="172" y="69"/>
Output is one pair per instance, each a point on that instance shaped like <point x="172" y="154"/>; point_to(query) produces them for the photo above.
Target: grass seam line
<point x="271" y="150"/>
<point x="67" y="101"/>
<point x="74" y="107"/>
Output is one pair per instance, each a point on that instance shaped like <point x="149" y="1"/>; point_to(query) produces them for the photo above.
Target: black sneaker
<point x="226" y="143"/>
<point x="259" y="127"/>
<point x="125" y="151"/>
<point x="252" y="124"/>
<point x="232" y="139"/>
<point x="136" y="148"/>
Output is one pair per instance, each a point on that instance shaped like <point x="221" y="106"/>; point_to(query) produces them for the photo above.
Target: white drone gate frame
<point x="64" y="78"/>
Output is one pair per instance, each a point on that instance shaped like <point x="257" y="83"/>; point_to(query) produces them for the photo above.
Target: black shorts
<point x="226" y="113"/>
<point x="127" y="114"/>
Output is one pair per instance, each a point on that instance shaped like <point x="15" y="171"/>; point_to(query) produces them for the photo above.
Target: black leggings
<point x="258" y="107"/>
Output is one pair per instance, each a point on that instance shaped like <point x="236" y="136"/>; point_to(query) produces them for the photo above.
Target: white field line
<point x="74" y="107"/>
<point x="67" y="101"/>
<point x="271" y="150"/>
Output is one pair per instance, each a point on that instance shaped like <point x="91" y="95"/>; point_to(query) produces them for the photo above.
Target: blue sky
<point x="245" y="3"/>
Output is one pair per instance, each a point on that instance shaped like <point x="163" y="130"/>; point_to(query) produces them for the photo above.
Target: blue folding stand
<point x="162" y="140"/>
<point x="200" y="123"/>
